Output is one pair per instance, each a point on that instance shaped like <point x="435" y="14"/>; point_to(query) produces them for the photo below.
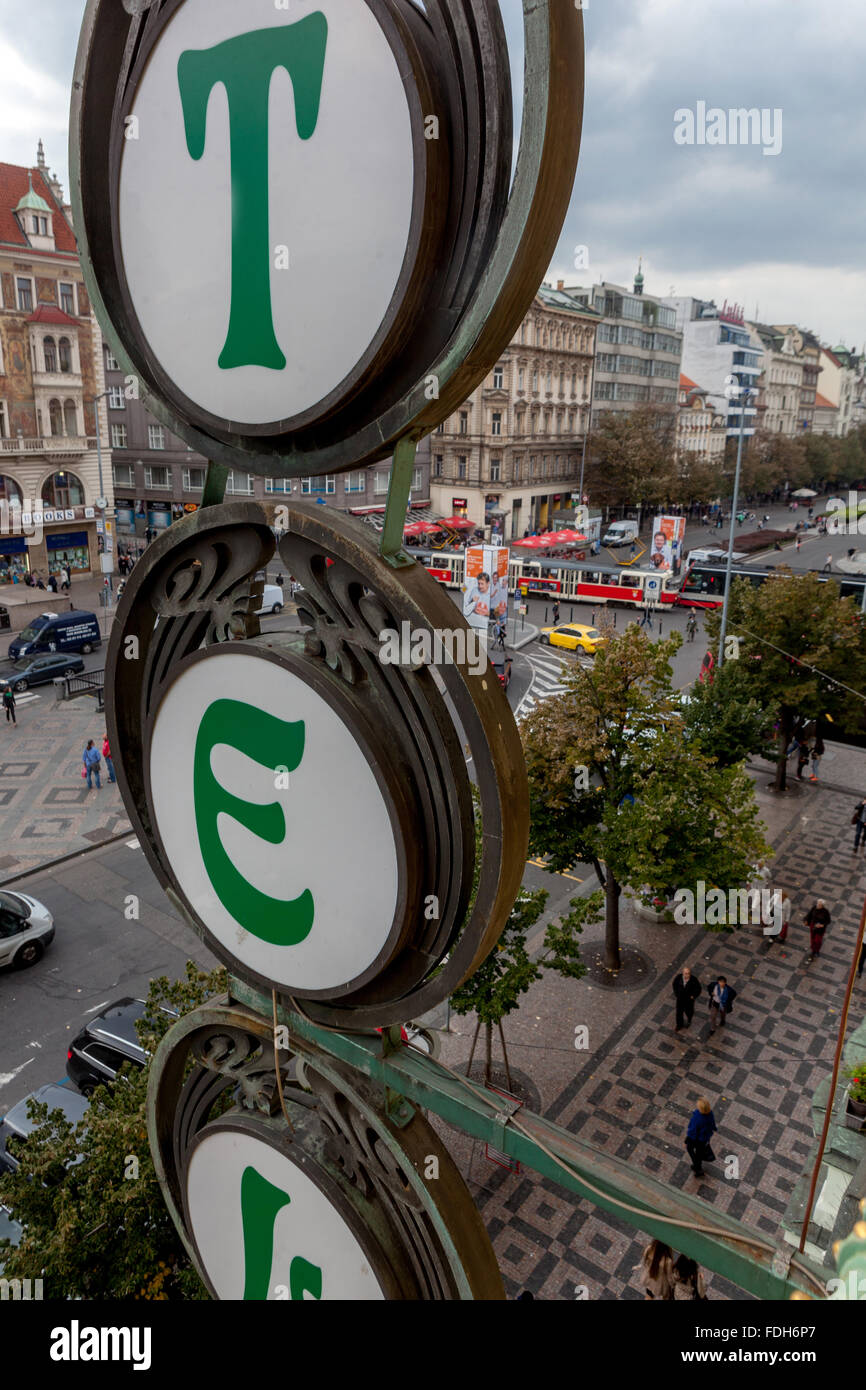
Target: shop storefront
<point x="70" y="550"/>
<point x="14" y="559"/>
<point x="47" y="541"/>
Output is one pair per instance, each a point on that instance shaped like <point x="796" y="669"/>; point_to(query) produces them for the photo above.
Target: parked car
<point x="105" y="1042"/>
<point x="26" y="928"/>
<point x="20" y="675"/>
<point x="16" y="1124"/>
<point x="272" y="599"/>
<point x="574" y="637"/>
<point x="10" y="1230"/>
<point x="75" y="631"/>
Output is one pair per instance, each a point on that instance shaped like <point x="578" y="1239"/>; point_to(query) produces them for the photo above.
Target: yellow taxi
<point x="574" y="637"/>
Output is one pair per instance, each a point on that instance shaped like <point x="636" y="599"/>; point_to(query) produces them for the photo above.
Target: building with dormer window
<point x="51" y="381"/>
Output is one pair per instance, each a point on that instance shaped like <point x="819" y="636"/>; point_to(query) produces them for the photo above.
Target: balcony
<point x="59" y="383"/>
<point x="57" y="445"/>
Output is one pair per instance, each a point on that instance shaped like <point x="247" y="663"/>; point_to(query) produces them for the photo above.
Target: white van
<point x="272" y="599"/>
<point x="620" y="533"/>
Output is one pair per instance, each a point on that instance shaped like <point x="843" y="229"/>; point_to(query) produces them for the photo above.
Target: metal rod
<point x="214" y="484"/>
<point x="745" y="394"/>
<point x="399" y="490"/>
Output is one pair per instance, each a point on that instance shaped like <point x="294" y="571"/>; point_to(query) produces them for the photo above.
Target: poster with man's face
<point x="485" y="597"/>
<point x="667" y="542"/>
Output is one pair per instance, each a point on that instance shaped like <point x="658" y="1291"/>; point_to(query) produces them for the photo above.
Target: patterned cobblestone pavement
<point x="633" y="1092"/>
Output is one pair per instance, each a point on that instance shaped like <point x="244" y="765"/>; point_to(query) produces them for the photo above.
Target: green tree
<point x="99" y="1228"/>
<point x="495" y="989"/>
<point x="633" y="458"/>
<point x="617" y="781"/>
<point x="801" y="650"/>
<point x="726" y="717"/>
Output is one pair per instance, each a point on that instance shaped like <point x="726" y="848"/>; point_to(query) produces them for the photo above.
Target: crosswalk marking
<point x="547" y="668"/>
<point x="25" y="698"/>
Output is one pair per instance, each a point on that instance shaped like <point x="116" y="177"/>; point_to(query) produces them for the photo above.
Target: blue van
<point x="75" y="631"/>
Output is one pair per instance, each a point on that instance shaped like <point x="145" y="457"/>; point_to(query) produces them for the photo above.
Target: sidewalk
<point x="633" y="1091"/>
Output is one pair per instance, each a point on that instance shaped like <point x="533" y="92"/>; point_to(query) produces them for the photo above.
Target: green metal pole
<point x="399" y="488"/>
<point x="214" y="484"/>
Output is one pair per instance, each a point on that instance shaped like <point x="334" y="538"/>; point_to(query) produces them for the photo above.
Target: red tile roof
<point x="686" y="383"/>
<point x="13" y="186"/>
<point x="821" y="402"/>
<point x="47" y="313"/>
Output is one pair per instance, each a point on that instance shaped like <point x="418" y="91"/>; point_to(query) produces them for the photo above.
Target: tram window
<point x="627" y="581"/>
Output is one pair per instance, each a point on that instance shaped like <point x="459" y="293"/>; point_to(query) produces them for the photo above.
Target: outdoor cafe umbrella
<point x="804" y="492"/>
<point x="567" y="537"/>
<point x="420" y="528"/>
<point x="532" y="543"/>
<point x="457" y="523"/>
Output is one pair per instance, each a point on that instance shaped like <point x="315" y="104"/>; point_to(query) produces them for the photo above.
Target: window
<point x="574" y="383"/>
<point x="156" y="438"/>
<point x="535" y="381"/>
<point x="381" y="484"/>
<point x="111" y="362"/>
<point x="464" y="422"/>
<point x="355" y="482"/>
<point x="118" y="436"/>
<point x="437" y="466"/>
<point x="63" y="490"/>
<point x="9" y="490"/>
<point x="116" y="400"/>
<point x="520" y="375"/>
<point x="549" y="382"/>
<point x="65" y="348"/>
<point x="498" y="378"/>
<point x="193" y="479"/>
<point x="306" y="485"/>
<point x="516" y="469"/>
<point x="49" y="352"/>
<point x="416" y="480"/>
<point x="4" y="422"/>
<point x="239" y="483"/>
<point x="70" y="419"/>
<point x="158" y="475"/>
<point x="67" y="298"/>
<point x="461" y="466"/>
<point x="271" y="484"/>
<point x="495" y="468"/>
<point x="24" y="291"/>
<point x="496" y="425"/>
<point x="55" y="417"/>
<point x="124" y="475"/>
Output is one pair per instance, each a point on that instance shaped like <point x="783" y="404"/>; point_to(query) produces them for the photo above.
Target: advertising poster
<point x="667" y="543"/>
<point x="485" y="597"/>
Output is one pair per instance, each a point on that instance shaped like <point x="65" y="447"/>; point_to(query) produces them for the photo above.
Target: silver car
<point x="26" y="928"/>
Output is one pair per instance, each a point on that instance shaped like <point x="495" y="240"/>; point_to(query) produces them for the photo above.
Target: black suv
<point x="104" y="1044"/>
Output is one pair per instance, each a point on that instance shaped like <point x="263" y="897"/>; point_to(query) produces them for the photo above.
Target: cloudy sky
<point x="782" y="234"/>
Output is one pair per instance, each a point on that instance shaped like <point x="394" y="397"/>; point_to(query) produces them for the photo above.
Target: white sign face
<point x="264" y="1230"/>
<point x="273" y="822"/>
<point x="265" y="200"/>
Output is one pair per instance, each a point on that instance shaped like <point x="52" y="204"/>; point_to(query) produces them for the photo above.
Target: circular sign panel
<point x="264" y="1230"/>
<point x="273" y="822"/>
<point x="262" y="242"/>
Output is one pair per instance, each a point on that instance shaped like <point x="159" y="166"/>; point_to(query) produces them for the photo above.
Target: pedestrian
<point x="722" y="998"/>
<point x="858" y="820"/>
<point x="781" y="899"/>
<point x="799" y="542"/>
<point x="691" y="624"/>
<point x="828" y="565"/>
<point x="106" y="753"/>
<point x="556" y="612"/>
<point x="817" y="920"/>
<point x="702" y="1127"/>
<point x="817" y="755"/>
<point x="803" y="757"/>
<point x="64" y="578"/>
<point x="9" y="705"/>
<point x="687" y="988"/>
<point x="91" y="765"/>
<point x="688" y="1281"/>
<point x="656" y="1271"/>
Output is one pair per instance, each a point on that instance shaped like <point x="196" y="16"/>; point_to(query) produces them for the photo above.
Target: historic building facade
<point x="510" y="457"/>
<point x="701" y="425"/>
<point x="55" y="479"/>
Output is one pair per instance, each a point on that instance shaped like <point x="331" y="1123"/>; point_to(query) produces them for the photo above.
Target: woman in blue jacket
<point x="702" y="1127"/>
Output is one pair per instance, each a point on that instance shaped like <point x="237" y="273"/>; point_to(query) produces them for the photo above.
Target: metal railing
<point x="87" y="683"/>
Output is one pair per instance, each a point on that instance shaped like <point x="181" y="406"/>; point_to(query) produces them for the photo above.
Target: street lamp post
<point x="744" y="395"/>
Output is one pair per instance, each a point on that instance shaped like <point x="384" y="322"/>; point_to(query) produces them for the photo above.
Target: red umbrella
<point x="568" y="537"/>
<point x="532" y="543"/>
<point x="457" y="523"/>
<point x="419" y="528"/>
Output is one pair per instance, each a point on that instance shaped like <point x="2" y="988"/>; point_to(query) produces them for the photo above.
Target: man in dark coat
<point x="687" y="988"/>
<point x="817" y="920"/>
